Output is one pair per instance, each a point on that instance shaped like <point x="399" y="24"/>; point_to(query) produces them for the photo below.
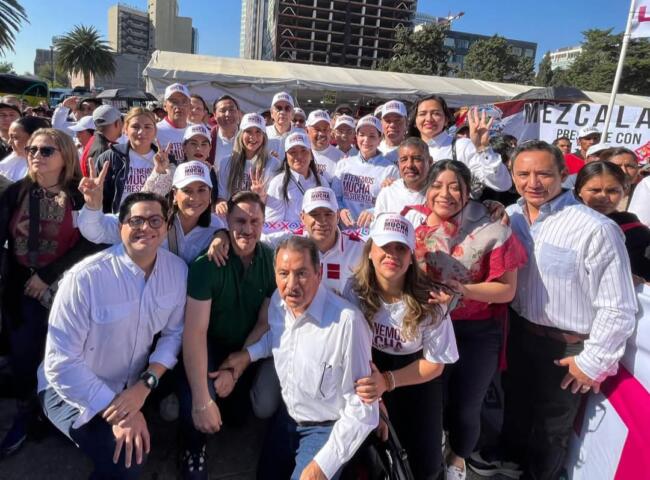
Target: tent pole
<point x="619" y="71"/>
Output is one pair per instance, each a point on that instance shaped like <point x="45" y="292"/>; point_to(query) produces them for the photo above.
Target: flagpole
<point x="619" y="70"/>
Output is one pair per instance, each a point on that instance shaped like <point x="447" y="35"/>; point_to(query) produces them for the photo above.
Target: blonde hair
<point x="415" y="294"/>
<point x="139" y="111"/>
<point x="238" y="161"/>
<point x="71" y="170"/>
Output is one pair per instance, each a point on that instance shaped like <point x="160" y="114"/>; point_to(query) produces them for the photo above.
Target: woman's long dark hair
<point x="596" y="169"/>
<point x="205" y="219"/>
<point x="412" y="129"/>
<point x="286" y="170"/>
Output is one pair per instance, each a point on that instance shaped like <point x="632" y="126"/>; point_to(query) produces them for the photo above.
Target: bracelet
<point x="202" y="408"/>
<point x="390" y="380"/>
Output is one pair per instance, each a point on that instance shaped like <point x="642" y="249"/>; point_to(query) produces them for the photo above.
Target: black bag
<point x="378" y="460"/>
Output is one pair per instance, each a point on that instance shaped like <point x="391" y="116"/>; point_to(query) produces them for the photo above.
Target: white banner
<point x="613" y="438"/>
<point x="641" y="20"/>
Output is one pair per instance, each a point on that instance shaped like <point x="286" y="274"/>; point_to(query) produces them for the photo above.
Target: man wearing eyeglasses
<point x="172" y="128"/>
<point x="282" y="115"/>
<point x="99" y="365"/>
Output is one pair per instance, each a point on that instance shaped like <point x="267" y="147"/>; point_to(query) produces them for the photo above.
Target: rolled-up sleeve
<point x="357" y="418"/>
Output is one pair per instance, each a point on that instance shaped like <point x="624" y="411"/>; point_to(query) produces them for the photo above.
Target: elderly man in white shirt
<point x="393" y="122"/>
<point x="572" y="314"/>
<point x="98" y="367"/>
<point x="321" y="346"/>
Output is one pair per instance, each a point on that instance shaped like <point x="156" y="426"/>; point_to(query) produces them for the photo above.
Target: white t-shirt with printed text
<point x="140" y="167"/>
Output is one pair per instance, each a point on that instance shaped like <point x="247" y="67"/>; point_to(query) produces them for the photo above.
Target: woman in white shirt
<point x="251" y="166"/>
<point x="412" y="341"/>
<point x="299" y="173"/>
<point x="429" y="120"/>
<point x="14" y="165"/>
<point x="191" y="226"/>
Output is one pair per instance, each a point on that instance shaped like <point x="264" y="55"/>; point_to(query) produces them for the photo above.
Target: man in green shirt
<point x="222" y="308"/>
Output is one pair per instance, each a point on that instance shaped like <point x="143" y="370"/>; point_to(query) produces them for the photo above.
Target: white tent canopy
<point x="254" y="82"/>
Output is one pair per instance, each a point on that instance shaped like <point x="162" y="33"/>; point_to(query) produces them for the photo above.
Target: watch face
<point x="151" y="382"/>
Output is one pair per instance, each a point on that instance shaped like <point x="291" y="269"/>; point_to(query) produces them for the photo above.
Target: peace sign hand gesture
<point x="479" y="128"/>
<point x="161" y="158"/>
<point x="92" y="186"/>
<point x="258" y="185"/>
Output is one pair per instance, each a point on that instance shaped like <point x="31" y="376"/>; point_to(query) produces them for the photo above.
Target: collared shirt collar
<point x="558" y="203"/>
<point x="298" y="177"/>
<point x="441" y="140"/>
<point x="123" y="256"/>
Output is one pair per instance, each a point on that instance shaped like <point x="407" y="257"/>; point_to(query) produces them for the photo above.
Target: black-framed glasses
<point x="44" y="151"/>
<point x="286" y="108"/>
<point x="154" y="221"/>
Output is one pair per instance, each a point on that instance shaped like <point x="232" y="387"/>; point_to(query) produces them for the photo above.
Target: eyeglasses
<point x="44" y="151"/>
<point x="286" y="108"/>
<point x="154" y="221"/>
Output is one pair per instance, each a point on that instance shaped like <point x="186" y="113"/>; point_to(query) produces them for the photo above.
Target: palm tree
<point x="12" y="14"/>
<point x="83" y="51"/>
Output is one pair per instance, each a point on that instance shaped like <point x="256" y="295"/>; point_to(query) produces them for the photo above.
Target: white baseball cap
<point x="197" y="129"/>
<point x="345" y="120"/>
<point x="319" y="197"/>
<point x="84" y="123"/>
<point x="105" y="115"/>
<point x="392" y="227"/>
<point x="176" y="88"/>
<point x="297" y="138"/>
<point x="318" y="116"/>
<point x="192" y="171"/>
<point x="299" y="112"/>
<point x="378" y="111"/>
<point x="252" y="120"/>
<point x="586" y="131"/>
<point x="598" y="147"/>
<point x="282" y="97"/>
<point x="369" y="120"/>
<point x="394" y="106"/>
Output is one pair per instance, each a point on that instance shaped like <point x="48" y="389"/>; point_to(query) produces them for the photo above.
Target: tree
<point x="524" y="72"/>
<point x="61" y="79"/>
<point x="422" y="52"/>
<point x="7" y="67"/>
<point x="83" y="51"/>
<point x="489" y="60"/>
<point x="544" y="76"/>
<point x="12" y="15"/>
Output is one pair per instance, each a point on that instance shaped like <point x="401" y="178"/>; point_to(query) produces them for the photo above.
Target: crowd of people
<point x="332" y="274"/>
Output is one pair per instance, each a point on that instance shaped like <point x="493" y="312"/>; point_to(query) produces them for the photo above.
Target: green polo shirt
<point x="236" y="294"/>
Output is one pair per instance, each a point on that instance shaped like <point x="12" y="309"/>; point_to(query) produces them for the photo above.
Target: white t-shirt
<point x="277" y="208"/>
<point x="14" y="167"/>
<point x="140" y="167"/>
<point x="168" y="133"/>
<point x="395" y="197"/>
<point x="640" y="203"/>
<point x="357" y="182"/>
<point x="350" y="153"/>
<point x="224" y="192"/>
<point x="276" y="140"/>
<point x="437" y="342"/>
<point x="326" y="161"/>
<point x="391" y="153"/>
<point x="223" y="149"/>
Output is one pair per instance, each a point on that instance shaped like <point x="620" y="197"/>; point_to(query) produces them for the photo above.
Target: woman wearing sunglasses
<point x="14" y="165"/>
<point x="37" y="223"/>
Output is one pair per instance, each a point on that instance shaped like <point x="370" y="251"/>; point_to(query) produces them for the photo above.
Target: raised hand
<point x="161" y="158"/>
<point x="92" y="186"/>
<point x="479" y="128"/>
<point x="258" y="185"/>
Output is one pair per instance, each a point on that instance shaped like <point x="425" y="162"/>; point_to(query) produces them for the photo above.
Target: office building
<point x="128" y="30"/>
<point x="563" y="58"/>
<point x="254" y="37"/>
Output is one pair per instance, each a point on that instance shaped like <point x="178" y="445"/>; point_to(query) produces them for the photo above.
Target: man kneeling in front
<point x="320" y="346"/>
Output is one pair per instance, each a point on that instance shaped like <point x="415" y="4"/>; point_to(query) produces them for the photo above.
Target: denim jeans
<point x="95" y="438"/>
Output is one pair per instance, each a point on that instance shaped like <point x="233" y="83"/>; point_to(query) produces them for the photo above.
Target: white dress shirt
<point x="223" y="149"/>
<point x="577" y="278"/>
<point x="14" y="167"/>
<point x="102" y="326"/>
<point x="391" y="153"/>
<point x="99" y="227"/>
<point x="350" y="153"/>
<point x="277" y="208"/>
<point x="396" y="196"/>
<point x="487" y="167"/>
<point x="640" y="203"/>
<point x="60" y="120"/>
<point x="318" y="357"/>
<point x="358" y="182"/>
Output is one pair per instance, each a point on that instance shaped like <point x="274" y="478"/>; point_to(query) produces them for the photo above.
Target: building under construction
<point x="327" y="32"/>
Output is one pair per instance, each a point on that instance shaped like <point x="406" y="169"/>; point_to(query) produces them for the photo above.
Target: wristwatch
<point x="150" y="379"/>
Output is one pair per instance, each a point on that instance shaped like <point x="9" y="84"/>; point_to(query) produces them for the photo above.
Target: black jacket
<point x="637" y="242"/>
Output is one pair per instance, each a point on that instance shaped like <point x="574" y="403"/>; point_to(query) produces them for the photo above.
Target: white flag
<point x="641" y="20"/>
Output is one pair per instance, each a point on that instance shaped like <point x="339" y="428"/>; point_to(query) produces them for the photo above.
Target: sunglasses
<point x="154" y="221"/>
<point x="286" y="108"/>
<point x="44" y="151"/>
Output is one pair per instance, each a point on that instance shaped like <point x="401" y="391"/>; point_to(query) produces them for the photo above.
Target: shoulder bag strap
<point x="34" y="226"/>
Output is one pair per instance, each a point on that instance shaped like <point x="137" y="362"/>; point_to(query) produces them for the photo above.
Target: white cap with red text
<point x="392" y="227"/>
<point x="176" y="88"/>
<point x="318" y="116"/>
<point x="198" y="129"/>
<point x="282" y="97"/>
<point x="192" y="171"/>
<point x="345" y="120"/>
<point x="319" y="197"/>
<point x="369" y="120"/>
<point x="394" y="106"/>
<point x="252" y="120"/>
<point x="297" y="138"/>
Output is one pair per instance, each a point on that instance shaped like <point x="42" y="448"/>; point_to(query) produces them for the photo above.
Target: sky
<point x="551" y="24"/>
